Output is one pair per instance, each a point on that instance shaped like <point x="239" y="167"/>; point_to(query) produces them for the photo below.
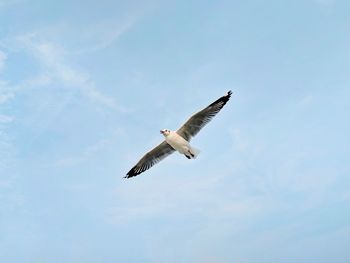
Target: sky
<point x="85" y="87"/>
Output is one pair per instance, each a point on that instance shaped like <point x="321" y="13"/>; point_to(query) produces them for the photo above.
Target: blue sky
<point x="85" y="87"/>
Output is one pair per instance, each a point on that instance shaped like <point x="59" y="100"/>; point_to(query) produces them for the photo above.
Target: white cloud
<point x="88" y="37"/>
<point x="85" y="155"/>
<point x="5" y="92"/>
<point x="207" y="197"/>
<point x="38" y="81"/>
<point x="5" y="97"/>
<point x="53" y="59"/>
<point x="6" y="147"/>
<point x="239" y="142"/>
<point x="5" y="142"/>
<point x="305" y="101"/>
<point x="5" y="119"/>
<point x="104" y="33"/>
<point x="3" y="58"/>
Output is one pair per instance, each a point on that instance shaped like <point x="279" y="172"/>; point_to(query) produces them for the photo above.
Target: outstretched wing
<point x="151" y="158"/>
<point x="200" y="119"/>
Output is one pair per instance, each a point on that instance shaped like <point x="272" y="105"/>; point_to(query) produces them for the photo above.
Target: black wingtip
<point x="129" y="175"/>
<point x="223" y="99"/>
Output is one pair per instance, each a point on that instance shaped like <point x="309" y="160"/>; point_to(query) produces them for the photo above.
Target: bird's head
<point x="165" y="132"/>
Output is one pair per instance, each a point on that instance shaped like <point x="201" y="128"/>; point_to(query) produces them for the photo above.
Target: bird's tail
<point x="195" y="152"/>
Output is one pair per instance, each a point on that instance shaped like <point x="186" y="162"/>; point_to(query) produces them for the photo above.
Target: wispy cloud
<point x="239" y="142"/>
<point x="5" y="93"/>
<point x="207" y="197"/>
<point x="53" y="58"/>
<point x="3" y="57"/>
<point x="91" y="151"/>
<point x="5" y="119"/>
<point x="6" y="146"/>
<point x="5" y="96"/>
<point x="305" y="101"/>
<point x="85" y="155"/>
<point x="55" y="69"/>
<point x="103" y="34"/>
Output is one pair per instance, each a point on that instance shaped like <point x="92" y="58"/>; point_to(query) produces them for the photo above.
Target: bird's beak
<point x="161" y="131"/>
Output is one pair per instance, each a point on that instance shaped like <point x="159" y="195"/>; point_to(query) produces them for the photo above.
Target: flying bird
<point x="179" y="140"/>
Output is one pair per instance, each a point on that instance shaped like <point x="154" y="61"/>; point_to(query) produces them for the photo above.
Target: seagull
<point x="180" y="140"/>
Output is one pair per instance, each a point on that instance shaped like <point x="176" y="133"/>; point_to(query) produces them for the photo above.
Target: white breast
<point x="177" y="142"/>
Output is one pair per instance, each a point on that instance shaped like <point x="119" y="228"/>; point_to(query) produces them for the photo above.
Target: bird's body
<point x="179" y="140"/>
<point x="180" y="144"/>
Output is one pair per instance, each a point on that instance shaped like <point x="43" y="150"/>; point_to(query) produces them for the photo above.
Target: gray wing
<point x="200" y="119"/>
<point x="151" y="158"/>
